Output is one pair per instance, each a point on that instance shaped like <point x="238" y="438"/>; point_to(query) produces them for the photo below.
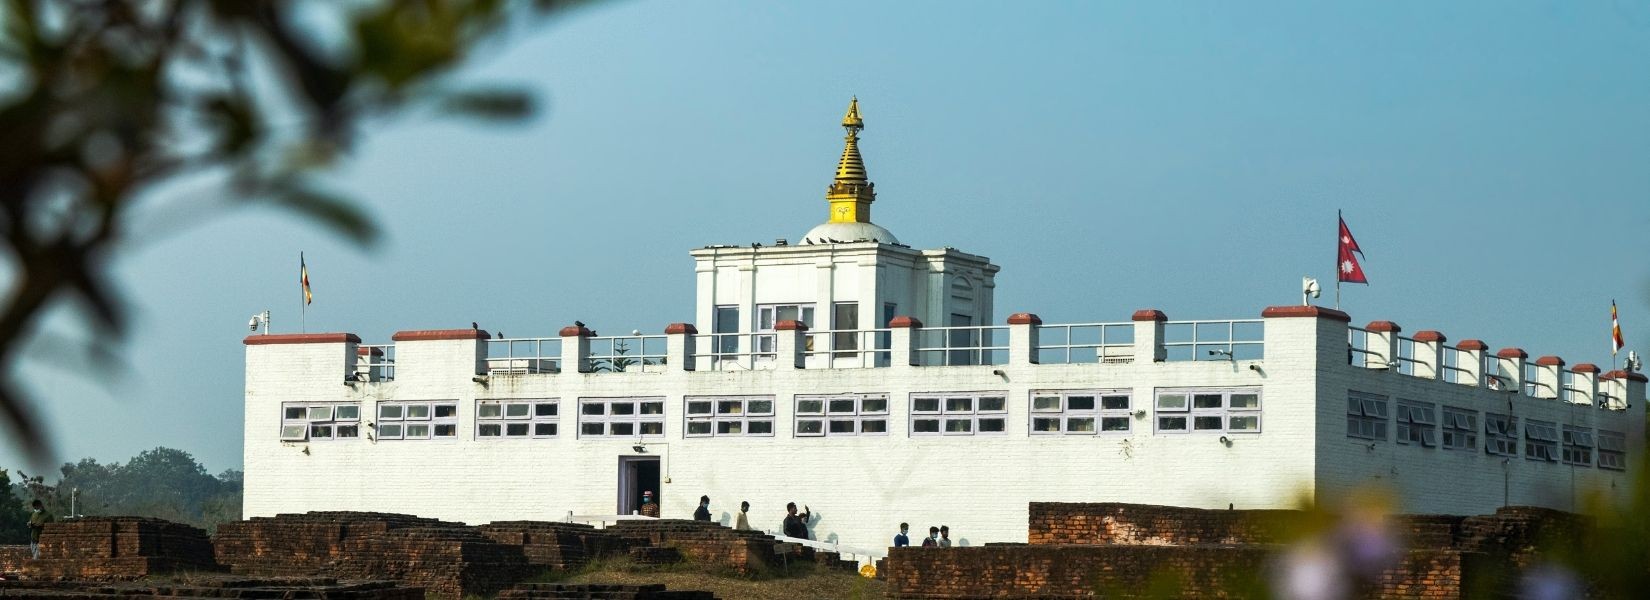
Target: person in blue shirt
<point x="901" y="541"/>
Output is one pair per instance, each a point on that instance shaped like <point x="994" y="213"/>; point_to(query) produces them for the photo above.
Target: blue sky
<point x="1491" y="157"/>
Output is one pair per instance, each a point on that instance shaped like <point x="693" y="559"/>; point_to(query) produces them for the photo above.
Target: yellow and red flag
<point x="303" y="277"/>
<point x="1616" y="343"/>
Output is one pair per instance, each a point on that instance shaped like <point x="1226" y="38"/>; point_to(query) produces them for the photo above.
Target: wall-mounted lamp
<point x="1226" y="441"/>
<point x="482" y="379"/>
<point x="999" y="373"/>
<point x="1139" y="414"/>
<point x="1256" y="368"/>
<point x="1222" y="352"/>
<point x="639" y="448"/>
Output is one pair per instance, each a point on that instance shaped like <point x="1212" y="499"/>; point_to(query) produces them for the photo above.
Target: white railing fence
<point x="1085" y="343"/>
<point x="524" y="355"/>
<point x="1236" y="339"/>
<point x="968" y="345"/>
<point x="627" y="353"/>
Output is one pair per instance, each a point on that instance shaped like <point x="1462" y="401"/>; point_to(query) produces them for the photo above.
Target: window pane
<point x="1245" y="401"/>
<point x="418" y="411"/>
<point x="389" y="411"/>
<point x="653" y="408"/>
<point x="842" y="406"/>
<point x="592" y="428"/>
<point x="1114" y="402"/>
<point x="698" y="427"/>
<point x="390" y="431"/>
<point x="698" y="407"/>
<point x="515" y="430"/>
<point x="1045" y="424"/>
<point x="347" y="431"/>
<point x="1114" y="424"/>
<point x="489" y="430"/>
<point x="1171" y="401"/>
<point x="993" y="404"/>
<point x="293" y="432"/>
<point x="811" y="427"/>
<point x="621" y="428"/>
<point x="295" y="413"/>
<point x="1206" y="401"/>
<point x="992" y="425"/>
<point x="926" y="426"/>
<point x="493" y="410"/>
<point x="759" y="427"/>
<point x="842" y="426"/>
<point x="1205" y="423"/>
<point x="873" y="405"/>
<point x="809" y="407"/>
<point x="594" y="408"/>
<point x="544" y="429"/>
<point x="446" y="430"/>
<point x="1080" y="424"/>
<point x="873" y="426"/>
<point x="320" y="413"/>
<point x="320" y="432"/>
<point x="730" y="427"/>
<point x="1244" y="423"/>
<point x="1171" y="423"/>
<point x="544" y="409"/>
<point x="621" y="408"/>
<point x="760" y="407"/>
<point x="1080" y="403"/>
<point x="446" y="411"/>
<point x="959" y="425"/>
<point x="653" y="428"/>
<point x="517" y="411"/>
<point x="418" y="431"/>
<point x="347" y="413"/>
<point x="925" y="405"/>
<point x="959" y="405"/>
<point x="1045" y="403"/>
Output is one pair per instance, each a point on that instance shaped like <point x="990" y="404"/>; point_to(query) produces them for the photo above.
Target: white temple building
<point x="875" y="384"/>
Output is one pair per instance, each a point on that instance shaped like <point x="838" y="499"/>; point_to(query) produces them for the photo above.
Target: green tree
<point x="14" y="516"/>
<point x="108" y="101"/>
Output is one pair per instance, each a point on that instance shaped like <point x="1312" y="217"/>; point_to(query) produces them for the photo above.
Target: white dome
<point x="842" y="233"/>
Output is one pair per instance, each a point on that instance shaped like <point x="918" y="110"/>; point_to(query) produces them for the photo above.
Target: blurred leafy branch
<point x="105" y="103"/>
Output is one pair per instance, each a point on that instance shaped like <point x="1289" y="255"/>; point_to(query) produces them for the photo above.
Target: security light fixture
<point x="1221" y="352"/>
<point x="1225" y="440"/>
<point x="1309" y="290"/>
<point x="639" y="448"/>
<point x="260" y="319"/>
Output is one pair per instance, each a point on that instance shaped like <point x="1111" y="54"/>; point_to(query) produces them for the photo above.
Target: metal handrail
<point x="601" y="521"/>
<point x="840" y="549"/>
<point x="1406" y="360"/>
<point x="379" y="363"/>
<point x="872" y="347"/>
<point x="1449" y="358"/>
<point x="977" y="353"/>
<point x="745" y="356"/>
<point x="1101" y="349"/>
<point x="1227" y="347"/>
<point x="622" y="351"/>
<point x="524" y="355"/>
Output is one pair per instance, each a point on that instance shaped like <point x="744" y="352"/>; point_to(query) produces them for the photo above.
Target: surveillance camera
<point x="252" y="324"/>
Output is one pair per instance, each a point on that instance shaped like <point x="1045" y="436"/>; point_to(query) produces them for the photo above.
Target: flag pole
<point x="303" y="296"/>
<point x="1338" y="220"/>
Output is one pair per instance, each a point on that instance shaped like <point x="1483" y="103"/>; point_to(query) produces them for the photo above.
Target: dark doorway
<point x="638" y="474"/>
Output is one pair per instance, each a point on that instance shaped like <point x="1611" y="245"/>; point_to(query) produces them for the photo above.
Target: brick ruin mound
<point x="448" y="562"/>
<point x="559" y="546"/>
<point x="302" y="544"/>
<point x="226" y="587"/>
<point x="118" y="548"/>
<point x="593" y="591"/>
<point x="743" y="552"/>
<point x="1076" y="550"/>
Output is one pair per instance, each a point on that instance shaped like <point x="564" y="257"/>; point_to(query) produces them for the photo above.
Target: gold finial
<point x="852" y="120"/>
<point x="852" y="193"/>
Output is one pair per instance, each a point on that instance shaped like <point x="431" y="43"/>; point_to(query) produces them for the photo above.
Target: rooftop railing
<point x="952" y="346"/>
<point x="733" y="351"/>
<point x="1085" y="343"/>
<point x="519" y="356"/>
<point x="1235" y="339"/>
<point x="848" y="348"/>
<point x="375" y="362"/>
<point x="627" y="353"/>
<point x="1450" y="369"/>
<point x="1406" y="361"/>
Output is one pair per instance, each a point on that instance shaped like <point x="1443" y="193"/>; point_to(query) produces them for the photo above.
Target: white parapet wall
<point x="1294" y="445"/>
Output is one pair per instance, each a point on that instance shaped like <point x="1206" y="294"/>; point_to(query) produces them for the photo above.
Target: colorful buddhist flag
<point x="303" y="278"/>
<point x="1347" y="268"/>
<point x="1616" y="342"/>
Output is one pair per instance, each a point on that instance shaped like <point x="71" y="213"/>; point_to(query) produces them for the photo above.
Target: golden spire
<point x="852" y="193"/>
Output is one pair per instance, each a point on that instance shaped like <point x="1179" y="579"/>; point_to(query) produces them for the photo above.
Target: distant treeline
<point x="163" y="483"/>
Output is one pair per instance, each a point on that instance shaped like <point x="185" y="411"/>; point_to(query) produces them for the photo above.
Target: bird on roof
<point x="474" y="326"/>
<point x="501" y="334"/>
<point x="578" y="323"/>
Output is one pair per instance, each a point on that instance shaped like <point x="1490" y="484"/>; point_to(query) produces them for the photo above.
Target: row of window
<point x="1419" y="424"/>
<point x="1085" y="412"/>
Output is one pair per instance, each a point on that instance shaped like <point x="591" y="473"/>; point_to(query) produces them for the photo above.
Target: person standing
<point x="945" y="536"/>
<point x="742" y="521"/>
<point x="649" y="507"/>
<point x="703" y="512"/>
<point x="796" y="525"/>
<point x="37" y="525"/>
<point x="900" y="539"/>
<point x="933" y="539"/>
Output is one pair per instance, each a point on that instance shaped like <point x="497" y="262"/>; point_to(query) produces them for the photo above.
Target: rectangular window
<point x="1208" y="410"/>
<point x="845" y="320"/>
<point x="1500" y="434"/>
<point x="768" y="317"/>
<point x="1417" y="424"/>
<point x="1541" y="441"/>
<point x="1578" y="446"/>
<point x="1460" y="429"/>
<point x="1612" y="450"/>
<point x="841" y="414"/>
<point x="319" y="422"/>
<point x="527" y="418"/>
<point x="417" y="420"/>
<point x="984" y="413"/>
<point x="622" y="417"/>
<point x="1366" y="416"/>
<point x="1080" y="412"/>
<point x="726" y="327"/>
<point x="726" y="416"/>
